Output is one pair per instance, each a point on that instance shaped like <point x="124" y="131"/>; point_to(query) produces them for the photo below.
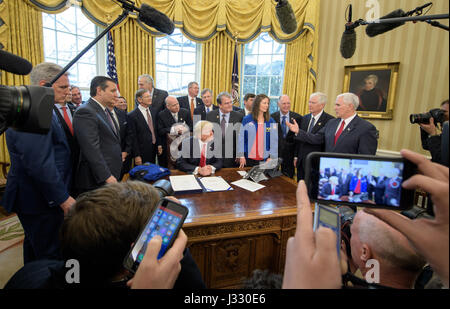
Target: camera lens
<point x="26" y="108"/>
<point x="420" y="118"/>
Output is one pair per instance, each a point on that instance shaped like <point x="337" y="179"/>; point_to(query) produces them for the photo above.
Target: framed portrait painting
<point x="375" y="85"/>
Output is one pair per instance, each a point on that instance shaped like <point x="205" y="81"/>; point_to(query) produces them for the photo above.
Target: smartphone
<point x="166" y="221"/>
<point x="328" y="217"/>
<point x="359" y="180"/>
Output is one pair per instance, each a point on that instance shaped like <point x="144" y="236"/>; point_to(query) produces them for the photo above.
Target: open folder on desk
<point x="191" y="184"/>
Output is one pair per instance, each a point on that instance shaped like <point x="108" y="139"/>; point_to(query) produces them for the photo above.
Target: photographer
<point x="431" y="138"/>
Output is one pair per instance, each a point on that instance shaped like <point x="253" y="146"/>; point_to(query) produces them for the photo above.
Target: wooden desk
<point x="232" y="233"/>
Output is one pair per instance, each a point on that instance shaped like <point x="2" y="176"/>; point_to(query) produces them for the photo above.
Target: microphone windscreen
<point x="286" y="17"/>
<point x="376" y="29"/>
<point x="14" y="64"/>
<point x="154" y="18"/>
<point x="348" y="43"/>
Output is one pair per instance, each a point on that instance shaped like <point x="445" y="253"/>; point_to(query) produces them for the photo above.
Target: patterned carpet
<point x="11" y="232"/>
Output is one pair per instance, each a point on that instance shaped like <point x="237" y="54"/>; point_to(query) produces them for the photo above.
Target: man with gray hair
<point x="348" y="133"/>
<point x="373" y="240"/>
<point x="40" y="175"/>
<point x="312" y="122"/>
<point x="158" y="96"/>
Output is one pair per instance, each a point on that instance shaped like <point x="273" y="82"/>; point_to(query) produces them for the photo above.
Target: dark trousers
<point x="41" y="235"/>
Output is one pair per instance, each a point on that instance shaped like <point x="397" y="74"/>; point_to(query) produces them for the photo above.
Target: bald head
<point x="389" y="246"/>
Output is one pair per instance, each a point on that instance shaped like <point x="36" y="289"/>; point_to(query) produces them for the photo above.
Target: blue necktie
<point x="283" y="126"/>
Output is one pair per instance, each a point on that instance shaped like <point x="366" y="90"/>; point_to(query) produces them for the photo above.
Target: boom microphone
<point x="286" y="16"/>
<point x="380" y="28"/>
<point x="14" y="64"/>
<point x="150" y="16"/>
<point x="154" y="18"/>
<point x="348" y="40"/>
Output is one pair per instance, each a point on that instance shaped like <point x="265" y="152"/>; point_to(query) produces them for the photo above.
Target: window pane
<point x="249" y="84"/>
<point x="48" y="20"/>
<point x="86" y="73"/>
<point x="65" y="21"/>
<point x="67" y="48"/>
<point x="50" y="44"/>
<point x="275" y="86"/>
<point x="262" y="85"/>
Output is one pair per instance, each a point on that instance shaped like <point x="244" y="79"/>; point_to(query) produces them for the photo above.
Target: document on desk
<point x="214" y="184"/>
<point x="185" y="183"/>
<point x="248" y="185"/>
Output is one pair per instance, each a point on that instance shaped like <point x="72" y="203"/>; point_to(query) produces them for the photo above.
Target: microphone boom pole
<point x="404" y="19"/>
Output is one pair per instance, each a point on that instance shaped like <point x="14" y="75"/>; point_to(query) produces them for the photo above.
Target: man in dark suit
<point x="166" y="119"/>
<point x="77" y="99"/>
<point x="144" y="127"/>
<point x="126" y="134"/>
<point x="313" y="122"/>
<point x="191" y="101"/>
<point x="197" y="152"/>
<point x="248" y="104"/>
<point x="380" y="188"/>
<point x="286" y="143"/>
<point x="99" y="137"/>
<point x="158" y="96"/>
<point x="344" y="181"/>
<point x="346" y="134"/>
<point x="228" y="124"/>
<point x="40" y="175"/>
<point x="206" y="106"/>
<point x="64" y="112"/>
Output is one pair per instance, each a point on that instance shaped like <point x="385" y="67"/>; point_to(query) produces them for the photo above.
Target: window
<point x="65" y="36"/>
<point x="263" y="69"/>
<point x="177" y="63"/>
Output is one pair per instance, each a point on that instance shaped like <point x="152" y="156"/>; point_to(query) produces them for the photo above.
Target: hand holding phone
<point x="166" y="221"/>
<point x="162" y="274"/>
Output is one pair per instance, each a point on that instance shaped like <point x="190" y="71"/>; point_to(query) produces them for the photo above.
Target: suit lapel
<point x="319" y="124"/>
<point x="102" y="114"/>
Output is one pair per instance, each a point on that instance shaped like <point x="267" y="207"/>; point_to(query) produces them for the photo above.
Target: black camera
<point x="24" y="108"/>
<point x="437" y="114"/>
<point x="164" y="188"/>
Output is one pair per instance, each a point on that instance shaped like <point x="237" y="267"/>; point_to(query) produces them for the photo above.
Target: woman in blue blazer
<point x="258" y="138"/>
<point x="358" y="183"/>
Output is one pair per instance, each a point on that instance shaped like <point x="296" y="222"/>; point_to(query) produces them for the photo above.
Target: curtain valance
<point x="202" y="20"/>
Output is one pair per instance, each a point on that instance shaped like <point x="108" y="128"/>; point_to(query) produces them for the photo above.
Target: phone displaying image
<point x="359" y="180"/>
<point x="166" y="221"/>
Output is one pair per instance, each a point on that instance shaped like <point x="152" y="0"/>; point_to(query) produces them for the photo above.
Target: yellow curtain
<point x="217" y="64"/>
<point x="135" y="54"/>
<point x="200" y="20"/>
<point x="300" y="66"/>
<point x="23" y="37"/>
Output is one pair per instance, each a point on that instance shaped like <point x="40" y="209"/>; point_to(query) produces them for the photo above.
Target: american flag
<point x="235" y="79"/>
<point x="111" y="62"/>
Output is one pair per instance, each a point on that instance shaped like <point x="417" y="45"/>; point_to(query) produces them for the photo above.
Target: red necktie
<point x="358" y="187"/>
<point x="332" y="191"/>
<point x="341" y="128"/>
<point x="203" y="156"/>
<point x="67" y="119"/>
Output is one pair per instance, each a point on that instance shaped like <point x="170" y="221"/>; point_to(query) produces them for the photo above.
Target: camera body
<point x="437" y="114"/>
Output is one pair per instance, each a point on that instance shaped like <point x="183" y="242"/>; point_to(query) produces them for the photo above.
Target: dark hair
<point x="445" y="102"/>
<point x="249" y="96"/>
<point x="255" y="108"/>
<point x="123" y="98"/>
<point x="99" y="230"/>
<point x="263" y="279"/>
<point x="99" y="81"/>
<point x="139" y="93"/>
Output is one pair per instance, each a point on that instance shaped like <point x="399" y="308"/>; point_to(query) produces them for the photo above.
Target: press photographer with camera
<point x="311" y="257"/>
<point x="429" y="132"/>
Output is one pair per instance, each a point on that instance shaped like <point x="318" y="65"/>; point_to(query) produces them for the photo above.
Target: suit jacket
<point x="286" y="146"/>
<point x="142" y="136"/>
<point x="41" y="171"/>
<point x="326" y="190"/>
<point x="184" y="102"/>
<point x="359" y="137"/>
<point x="201" y="110"/>
<point x="190" y="156"/>
<point x="228" y="155"/>
<point x="302" y="149"/>
<point x="126" y="134"/>
<point x="100" y="149"/>
<point x="249" y="133"/>
<point x="71" y="139"/>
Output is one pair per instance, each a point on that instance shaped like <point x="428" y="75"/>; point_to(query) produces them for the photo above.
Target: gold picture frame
<point x="376" y="86"/>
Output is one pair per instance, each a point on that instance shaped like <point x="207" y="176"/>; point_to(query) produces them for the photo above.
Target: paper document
<point x="213" y="184"/>
<point x="248" y="185"/>
<point x="184" y="183"/>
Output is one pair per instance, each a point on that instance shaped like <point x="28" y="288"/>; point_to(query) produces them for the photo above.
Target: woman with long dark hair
<point x="258" y="138"/>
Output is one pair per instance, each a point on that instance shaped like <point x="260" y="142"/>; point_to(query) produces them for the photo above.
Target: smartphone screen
<point x="166" y="221"/>
<point x="360" y="180"/>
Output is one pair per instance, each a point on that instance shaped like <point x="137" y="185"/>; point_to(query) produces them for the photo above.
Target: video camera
<point x="24" y="108"/>
<point x="437" y="114"/>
